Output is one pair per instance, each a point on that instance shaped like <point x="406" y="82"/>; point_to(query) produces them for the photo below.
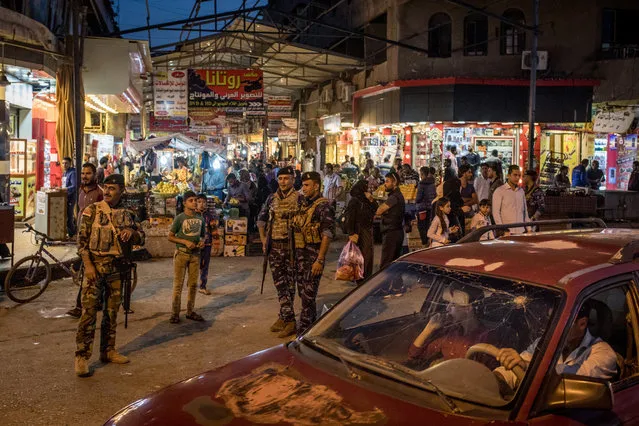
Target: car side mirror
<point x="569" y="392"/>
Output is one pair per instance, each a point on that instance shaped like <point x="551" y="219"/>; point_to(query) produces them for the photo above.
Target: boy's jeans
<point x="205" y="259"/>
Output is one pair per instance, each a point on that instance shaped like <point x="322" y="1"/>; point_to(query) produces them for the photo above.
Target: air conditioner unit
<point x="327" y="95"/>
<point x="542" y="60"/>
<point x="347" y="93"/>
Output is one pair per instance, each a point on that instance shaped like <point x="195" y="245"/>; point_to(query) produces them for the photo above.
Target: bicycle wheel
<point x="24" y="284"/>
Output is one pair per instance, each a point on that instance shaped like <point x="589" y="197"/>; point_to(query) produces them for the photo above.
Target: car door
<point x="614" y="319"/>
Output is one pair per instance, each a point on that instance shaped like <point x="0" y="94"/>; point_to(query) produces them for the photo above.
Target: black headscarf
<point x="358" y="190"/>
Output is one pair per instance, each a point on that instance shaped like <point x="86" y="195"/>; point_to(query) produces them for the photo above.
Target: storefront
<point x="382" y="144"/>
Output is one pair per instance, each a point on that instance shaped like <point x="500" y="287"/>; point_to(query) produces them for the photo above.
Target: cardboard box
<point x="236" y="226"/>
<point x="234" y="251"/>
<point x="235" y="240"/>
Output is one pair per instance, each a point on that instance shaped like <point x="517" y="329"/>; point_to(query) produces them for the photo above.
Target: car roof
<point x="543" y="258"/>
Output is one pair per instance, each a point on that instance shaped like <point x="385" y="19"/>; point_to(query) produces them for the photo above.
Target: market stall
<point x="23" y="177"/>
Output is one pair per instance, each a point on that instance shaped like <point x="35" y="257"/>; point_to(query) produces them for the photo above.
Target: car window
<point x="600" y="341"/>
<point x="440" y="326"/>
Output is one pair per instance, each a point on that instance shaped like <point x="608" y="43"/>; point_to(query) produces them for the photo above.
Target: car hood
<point x="274" y="386"/>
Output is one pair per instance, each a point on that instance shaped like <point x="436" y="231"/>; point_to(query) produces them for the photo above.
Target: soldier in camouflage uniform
<point x="274" y="223"/>
<point x="104" y="226"/>
<point x="314" y="228"/>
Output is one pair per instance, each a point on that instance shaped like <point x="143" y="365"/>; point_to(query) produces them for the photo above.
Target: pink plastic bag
<point x="350" y="266"/>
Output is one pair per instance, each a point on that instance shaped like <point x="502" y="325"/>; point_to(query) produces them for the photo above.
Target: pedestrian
<point x="451" y="154"/>
<point x="426" y="193"/>
<point x="493" y="174"/>
<point x="333" y="186"/>
<point x="440" y="230"/>
<point x="494" y="159"/>
<point x="633" y="182"/>
<point x="580" y="175"/>
<point x="482" y="183"/>
<point x="473" y="159"/>
<point x="90" y="193"/>
<point x="238" y="195"/>
<point x="483" y="218"/>
<point x="452" y="192"/>
<point x="105" y="227"/>
<point x="210" y="223"/>
<point x="535" y="198"/>
<point x="253" y="206"/>
<point x="562" y="181"/>
<point x="509" y="202"/>
<point x="595" y="175"/>
<point x="467" y="190"/>
<point x="274" y="224"/>
<point x="297" y="184"/>
<point x="392" y="213"/>
<point x="187" y="232"/>
<point x="314" y="228"/>
<point x="408" y="175"/>
<point x="69" y="181"/>
<point x="104" y="161"/>
<point x="359" y="215"/>
<point x="449" y="172"/>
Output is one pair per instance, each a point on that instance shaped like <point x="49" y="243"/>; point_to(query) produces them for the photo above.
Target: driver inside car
<point x="583" y="354"/>
<point x="448" y="336"/>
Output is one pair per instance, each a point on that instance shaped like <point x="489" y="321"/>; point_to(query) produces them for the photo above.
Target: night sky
<point x="133" y="14"/>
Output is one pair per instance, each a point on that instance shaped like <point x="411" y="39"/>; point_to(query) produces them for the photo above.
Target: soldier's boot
<point x="81" y="366"/>
<point x="288" y="330"/>
<point x="277" y="326"/>
<point x="75" y="312"/>
<point x="114" y="357"/>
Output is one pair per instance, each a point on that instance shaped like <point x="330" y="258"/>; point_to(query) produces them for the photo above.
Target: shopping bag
<point x="350" y="266"/>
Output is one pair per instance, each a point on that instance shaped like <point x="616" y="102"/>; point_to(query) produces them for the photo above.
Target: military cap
<point x="288" y="170"/>
<point x="314" y="176"/>
<point x="114" y="180"/>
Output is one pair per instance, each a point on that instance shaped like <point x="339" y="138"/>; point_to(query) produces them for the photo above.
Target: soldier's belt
<point x="280" y="244"/>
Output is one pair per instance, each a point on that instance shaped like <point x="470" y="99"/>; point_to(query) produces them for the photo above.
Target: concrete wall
<point x="619" y="80"/>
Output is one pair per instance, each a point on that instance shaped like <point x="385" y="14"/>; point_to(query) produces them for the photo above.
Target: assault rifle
<point x="268" y="250"/>
<point x="125" y="267"/>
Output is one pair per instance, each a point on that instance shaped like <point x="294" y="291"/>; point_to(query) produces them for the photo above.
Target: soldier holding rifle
<point x="105" y="227"/>
<point x="278" y="212"/>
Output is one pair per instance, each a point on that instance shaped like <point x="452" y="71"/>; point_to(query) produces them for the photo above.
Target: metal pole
<point x="533" y="86"/>
<point x="298" y="147"/>
<point x="75" y="40"/>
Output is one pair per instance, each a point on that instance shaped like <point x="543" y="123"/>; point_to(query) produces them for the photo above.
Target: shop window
<point x="439" y="36"/>
<point x="619" y="38"/>
<point x="476" y="35"/>
<point x="513" y="39"/>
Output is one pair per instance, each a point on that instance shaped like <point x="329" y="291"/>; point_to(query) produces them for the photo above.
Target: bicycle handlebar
<point x="32" y="229"/>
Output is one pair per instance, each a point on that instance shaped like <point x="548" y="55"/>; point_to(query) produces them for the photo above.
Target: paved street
<point x="37" y="341"/>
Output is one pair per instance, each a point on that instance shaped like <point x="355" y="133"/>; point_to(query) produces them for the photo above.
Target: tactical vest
<point x="306" y="231"/>
<point x="104" y="236"/>
<point x="283" y="211"/>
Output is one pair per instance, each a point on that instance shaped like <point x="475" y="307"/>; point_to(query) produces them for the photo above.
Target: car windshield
<point x="439" y="328"/>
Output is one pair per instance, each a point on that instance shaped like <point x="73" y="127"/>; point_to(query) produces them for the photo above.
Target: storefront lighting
<point x="459" y="122"/>
<point x="508" y="124"/>
<point x="101" y="104"/>
<point x="93" y="107"/>
<point x="483" y="123"/>
<point x="347" y="124"/>
<point x="422" y="123"/>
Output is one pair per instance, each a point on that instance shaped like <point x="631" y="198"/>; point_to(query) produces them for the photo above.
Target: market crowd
<point x="296" y="215"/>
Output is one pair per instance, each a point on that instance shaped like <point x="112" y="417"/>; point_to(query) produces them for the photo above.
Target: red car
<point x="418" y="342"/>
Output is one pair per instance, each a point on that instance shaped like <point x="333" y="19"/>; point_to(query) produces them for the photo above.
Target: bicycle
<point x="23" y="288"/>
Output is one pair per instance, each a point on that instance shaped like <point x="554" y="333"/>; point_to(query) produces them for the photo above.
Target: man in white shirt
<point x="509" y="202"/>
<point x="451" y="154"/>
<point x="332" y="183"/>
<point x="583" y="354"/>
<point x="482" y="183"/>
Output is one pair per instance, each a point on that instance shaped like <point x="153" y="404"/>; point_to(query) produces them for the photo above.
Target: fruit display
<point x="408" y="191"/>
<point x="234" y="201"/>
<point x="166" y="189"/>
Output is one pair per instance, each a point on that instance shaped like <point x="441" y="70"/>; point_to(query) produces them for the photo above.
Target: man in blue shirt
<point x="69" y="181"/>
<point x="580" y="176"/>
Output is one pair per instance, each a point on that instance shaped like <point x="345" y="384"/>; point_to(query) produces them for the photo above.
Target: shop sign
<point x="346" y="138"/>
<point x="170" y="92"/>
<point x="613" y="121"/>
<point x="168" y="124"/>
<point x="19" y="95"/>
<point x="279" y="106"/>
<point x="287" y="135"/>
<point x="16" y="195"/>
<point x="226" y="89"/>
<point x="290" y="122"/>
<point x="206" y="119"/>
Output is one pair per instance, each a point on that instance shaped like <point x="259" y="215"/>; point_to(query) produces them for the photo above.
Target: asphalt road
<point x="37" y="342"/>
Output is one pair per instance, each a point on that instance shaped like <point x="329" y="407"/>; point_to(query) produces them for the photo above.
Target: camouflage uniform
<point x="278" y="212"/>
<point x="315" y="220"/>
<point x="98" y="237"/>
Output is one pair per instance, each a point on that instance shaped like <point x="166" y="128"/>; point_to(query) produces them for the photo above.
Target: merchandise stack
<point x="235" y="237"/>
<point x="550" y="169"/>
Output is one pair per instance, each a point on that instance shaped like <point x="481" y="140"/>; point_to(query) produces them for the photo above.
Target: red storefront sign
<point x="226" y="89"/>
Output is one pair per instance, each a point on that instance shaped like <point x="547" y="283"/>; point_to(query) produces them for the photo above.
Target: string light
<point x="102" y="105"/>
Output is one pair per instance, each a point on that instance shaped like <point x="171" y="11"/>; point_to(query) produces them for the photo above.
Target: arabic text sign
<point x="170" y="94"/>
<point x="206" y="120"/>
<point x="613" y="121"/>
<point x="226" y="88"/>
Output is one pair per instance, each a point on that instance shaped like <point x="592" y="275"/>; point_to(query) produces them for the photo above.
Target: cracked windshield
<point x="440" y="329"/>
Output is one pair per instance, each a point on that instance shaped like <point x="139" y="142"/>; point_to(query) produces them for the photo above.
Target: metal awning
<point x="176" y="140"/>
<point x="245" y="43"/>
